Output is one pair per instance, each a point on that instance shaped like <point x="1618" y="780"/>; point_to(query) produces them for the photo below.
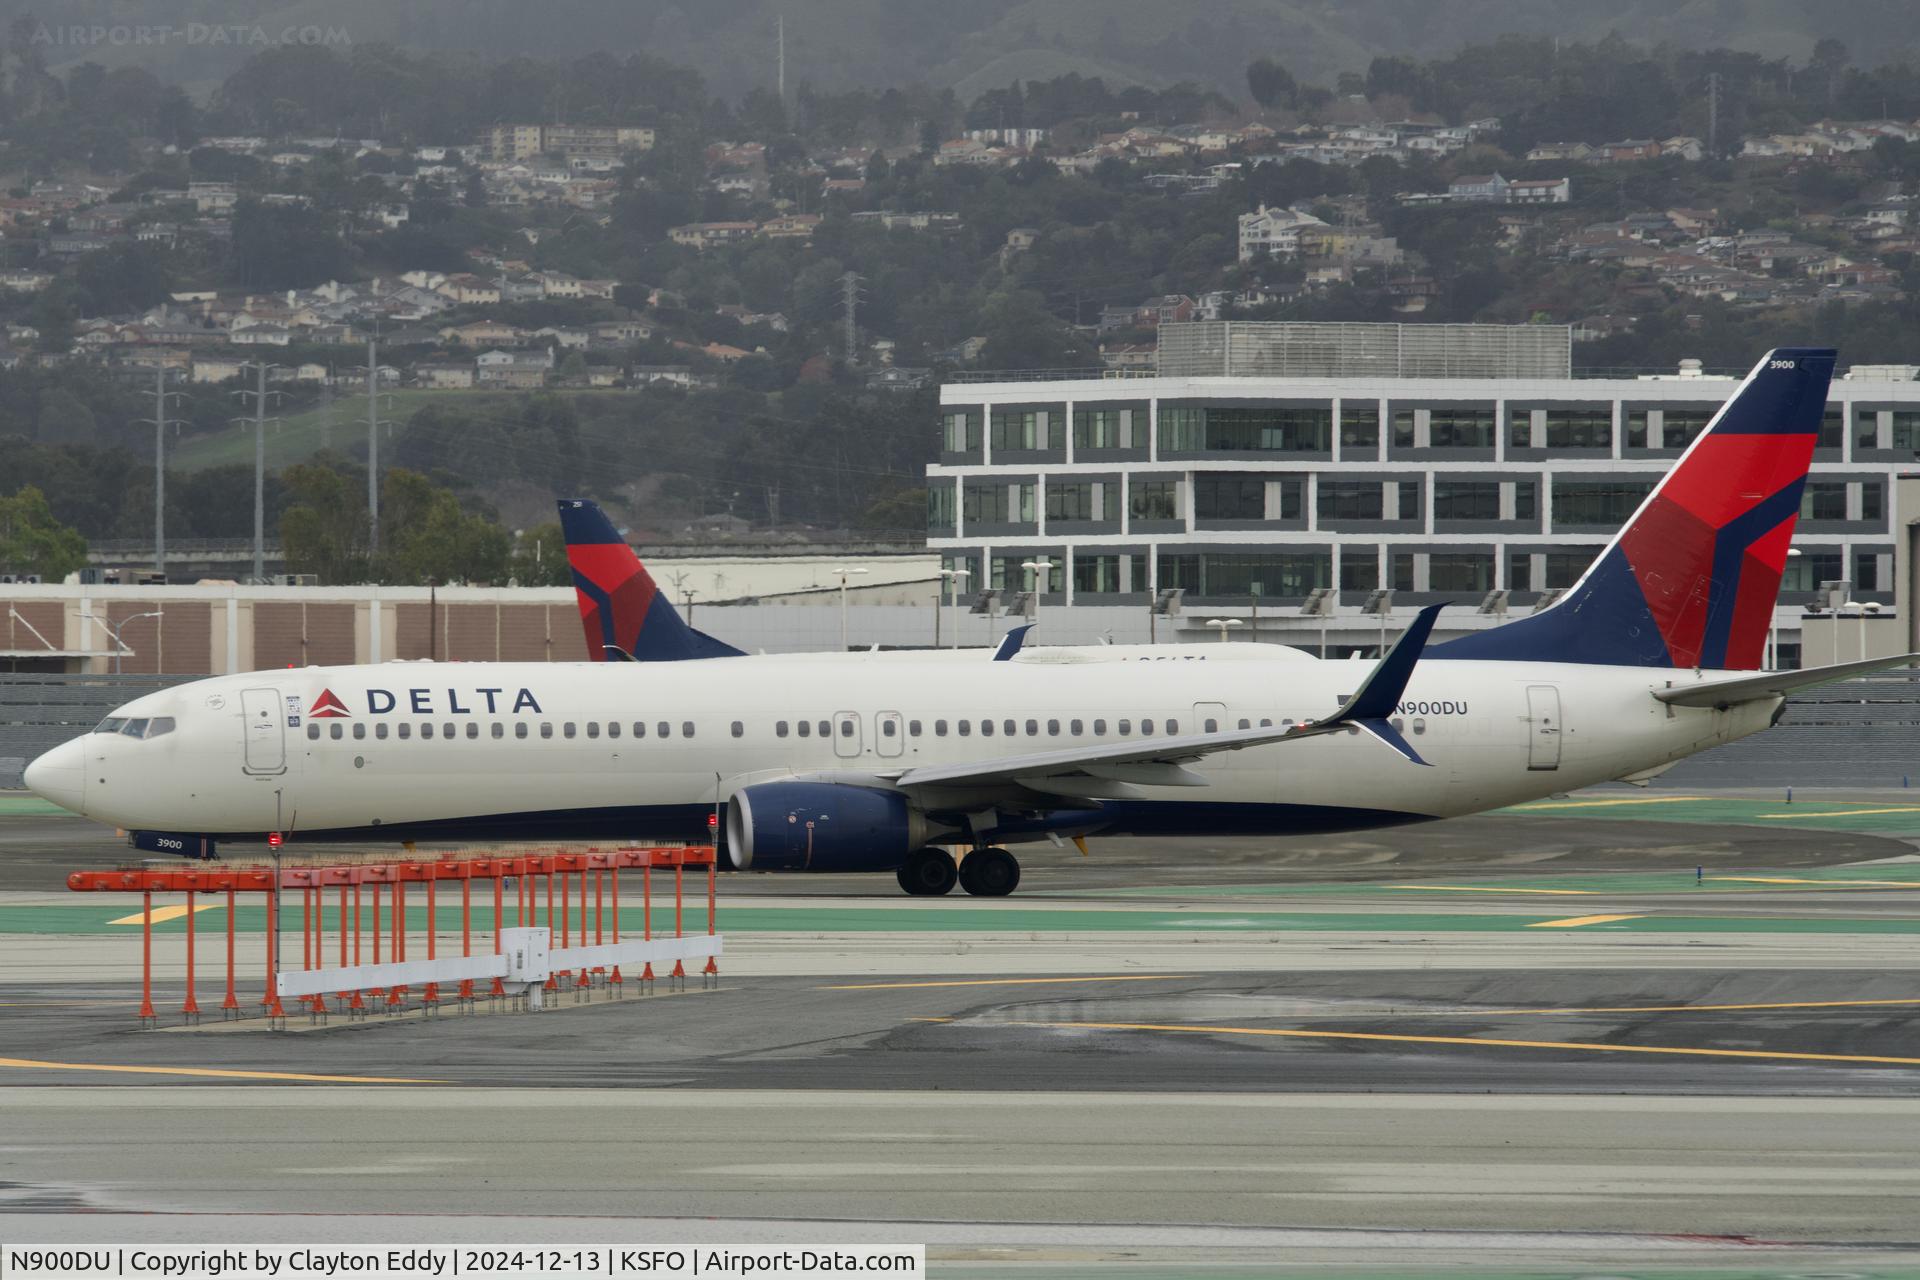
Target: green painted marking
<point x="1831" y="815"/>
<point x="19" y="804"/>
<point x="1678" y="880"/>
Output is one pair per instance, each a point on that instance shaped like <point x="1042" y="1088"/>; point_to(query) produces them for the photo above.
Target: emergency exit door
<point x="1543" y="727"/>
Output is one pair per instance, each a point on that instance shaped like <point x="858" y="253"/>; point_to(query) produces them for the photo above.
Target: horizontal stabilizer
<point x="1773" y="684"/>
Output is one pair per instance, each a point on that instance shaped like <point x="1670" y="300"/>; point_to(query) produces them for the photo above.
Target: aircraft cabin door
<point x="846" y="734"/>
<point x="1209" y="717"/>
<point x="889" y="734"/>
<point x="266" y="735"/>
<point x="1543" y="727"/>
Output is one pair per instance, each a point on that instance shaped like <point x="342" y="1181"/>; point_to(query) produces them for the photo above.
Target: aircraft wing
<point x="1773" y="684"/>
<point x="1160" y="761"/>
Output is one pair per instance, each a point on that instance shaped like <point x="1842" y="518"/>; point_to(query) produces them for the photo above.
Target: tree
<point x="32" y="541"/>
<point x="324" y="528"/>
<point x="540" y="557"/>
<point x="426" y="535"/>
<point x="1271" y="84"/>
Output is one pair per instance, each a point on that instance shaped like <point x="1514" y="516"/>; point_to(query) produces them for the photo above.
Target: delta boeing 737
<point x="870" y="762"/>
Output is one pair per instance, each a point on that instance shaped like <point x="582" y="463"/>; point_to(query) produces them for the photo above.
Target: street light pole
<point x="845" y="572"/>
<point x="119" y="645"/>
<point x="1042" y="570"/>
<point x="954" y="578"/>
<point x="1224" y="625"/>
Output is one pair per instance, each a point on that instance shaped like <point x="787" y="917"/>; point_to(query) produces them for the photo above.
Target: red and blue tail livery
<point x="626" y="616"/>
<point x="1692" y="579"/>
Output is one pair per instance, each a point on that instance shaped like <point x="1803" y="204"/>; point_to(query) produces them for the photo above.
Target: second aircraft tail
<point x="626" y="616"/>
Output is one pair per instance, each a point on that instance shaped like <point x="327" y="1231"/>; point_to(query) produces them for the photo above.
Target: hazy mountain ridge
<point x="837" y="44"/>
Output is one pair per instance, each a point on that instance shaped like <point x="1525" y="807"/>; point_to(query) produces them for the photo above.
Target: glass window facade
<point x="1246" y="573"/>
<point x="1466" y="500"/>
<point x="1083" y="500"/>
<point x="1023" y="428"/>
<point x="1157" y="498"/>
<point x="1273" y="428"/>
<point x="960" y="430"/>
<point x="997" y="502"/>
<point x="1597" y="502"/>
<point x="1351" y="500"/>
<point x="1109" y="426"/>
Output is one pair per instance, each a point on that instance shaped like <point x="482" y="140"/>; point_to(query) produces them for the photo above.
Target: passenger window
<point x="779" y="728"/>
<point x="1099" y="728"/>
<point x="889" y="729"/>
<point x="846" y="728"/>
<point x="966" y="727"/>
<point x="546" y="730"/>
<point x="446" y="730"/>
<point x="1243" y="725"/>
<point x="1125" y="727"/>
<point x="686" y="728"/>
<point x="823" y="729"/>
<point x="1033" y="728"/>
<point x="380" y="731"/>
<point x="806" y="728"/>
<point x="359" y="731"/>
<point x="1399" y="725"/>
<point x="567" y="728"/>
<point x="404" y="729"/>
<point x="1173" y="726"/>
<point x="1266" y="724"/>
<point x="913" y="728"/>
<point x="336" y="731"/>
<point x="1076" y="727"/>
<point x="613" y="728"/>
<point x="426" y="729"/>
<point x="986" y="728"/>
<point x="639" y="728"/>
<point x="499" y="730"/>
<point x="739" y="730"/>
<point x="1419" y="726"/>
<point x="939" y="728"/>
<point x="1053" y="728"/>
<point x="593" y="728"/>
<point x="1146" y="726"/>
<point x="313" y="732"/>
<point x="1009" y="727"/>
<point x="520" y="729"/>
<point x="663" y="730"/>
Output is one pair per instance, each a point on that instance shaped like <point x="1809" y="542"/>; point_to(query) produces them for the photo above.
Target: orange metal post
<point x="376" y="922"/>
<point x="146" y="957"/>
<point x="232" y="1002"/>
<point x="712" y="893"/>
<point x="679" y="876"/>
<point x="191" y="1009"/>
<point x="615" y="874"/>
<point x="499" y="917"/>
<point x="582" y="979"/>
<point x="272" y="1000"/>
<point x="432" y="993"/>
<point x="466" y="927"/>
<point x="646" y="913"/>
<point x="399" y="943"/>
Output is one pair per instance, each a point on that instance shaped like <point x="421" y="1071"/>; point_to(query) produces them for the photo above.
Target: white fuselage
<point x="543" y="750"/>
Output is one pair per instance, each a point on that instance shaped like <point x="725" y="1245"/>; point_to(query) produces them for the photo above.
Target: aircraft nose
<point x="60" y="776"/>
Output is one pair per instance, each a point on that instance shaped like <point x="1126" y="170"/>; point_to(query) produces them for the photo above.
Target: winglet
<point x="1383" y="688"/>
<point x="1011" y="642"/>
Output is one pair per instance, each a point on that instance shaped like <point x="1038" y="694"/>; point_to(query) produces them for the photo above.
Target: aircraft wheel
<point x="990" y="873"/>
<point x="928" y="873"/>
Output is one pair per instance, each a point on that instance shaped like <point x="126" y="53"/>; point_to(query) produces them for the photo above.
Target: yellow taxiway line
<point x="1478" y="1042"/>
<point x="1007" y="982"/>
<point x="218" y="1073"/>
<point x="1824" y="884"/>
<point x="1843" y="813"/>
<point x="1575" y="922"/>
<point x="163" y="914"/>
<point x="1601" y="804"/>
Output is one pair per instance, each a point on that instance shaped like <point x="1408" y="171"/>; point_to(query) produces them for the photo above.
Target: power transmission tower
<point x="374" y="423"/>
<point x="850" y="301"/>
<point x="160" y="422"/>
<point x="780" y="39"/>
<point x="260" y="468"/>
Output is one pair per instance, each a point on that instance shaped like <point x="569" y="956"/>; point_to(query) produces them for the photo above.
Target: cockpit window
<point x="135" y="728"/>
<point x="111" y="724"/>
<point x="159" y="725"/>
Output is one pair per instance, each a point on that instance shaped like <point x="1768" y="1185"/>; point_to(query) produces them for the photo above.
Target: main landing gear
<point x="986" y="873"/>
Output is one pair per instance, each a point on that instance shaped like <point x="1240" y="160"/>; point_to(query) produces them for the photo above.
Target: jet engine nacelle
<point x="821" y="826"/>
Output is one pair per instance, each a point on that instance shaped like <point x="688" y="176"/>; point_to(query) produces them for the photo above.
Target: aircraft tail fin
<point x="1691" y="579"/>
<point x="626" y="616"/>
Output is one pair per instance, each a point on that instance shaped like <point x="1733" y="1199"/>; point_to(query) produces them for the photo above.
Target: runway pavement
<point x="1562" y="1038"/>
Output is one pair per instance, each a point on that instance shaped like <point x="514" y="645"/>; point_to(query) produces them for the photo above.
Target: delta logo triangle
<point x="327" y="706"/>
